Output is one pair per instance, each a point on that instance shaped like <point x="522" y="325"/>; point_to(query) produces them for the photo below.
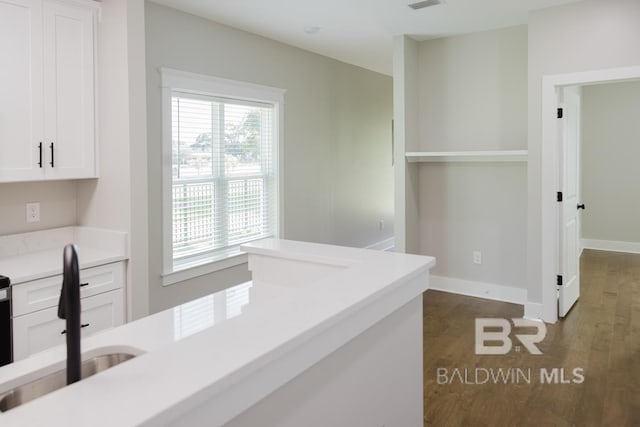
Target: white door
<point x="20" y="90"/>
<point x="569" y="262"/>
<point x="69" y="90"/>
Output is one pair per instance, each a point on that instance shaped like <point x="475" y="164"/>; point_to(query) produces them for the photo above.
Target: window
<point x="221" y="172"/>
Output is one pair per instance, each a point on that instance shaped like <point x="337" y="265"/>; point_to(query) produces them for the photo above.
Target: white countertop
<point x="34" y="255"/>
<point x="233" y="347"/>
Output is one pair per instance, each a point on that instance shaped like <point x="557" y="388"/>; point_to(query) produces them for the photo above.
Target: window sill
<point x="211" y="265"/>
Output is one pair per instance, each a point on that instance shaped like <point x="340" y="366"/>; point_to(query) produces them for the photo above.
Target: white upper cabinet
<point x="21" y="125"/>
<point x="47" y="87"/>
<point x="69" y="113"/>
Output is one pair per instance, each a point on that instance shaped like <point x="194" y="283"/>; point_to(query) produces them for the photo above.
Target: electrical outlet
<point x="381" y="224"/>
<point x="477" y="257"/>
<point x="33" y="212"/>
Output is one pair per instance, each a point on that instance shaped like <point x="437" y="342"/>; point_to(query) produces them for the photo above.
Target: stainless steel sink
<point x="42" y="386"/>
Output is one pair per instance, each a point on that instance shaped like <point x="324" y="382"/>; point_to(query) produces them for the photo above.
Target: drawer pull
<point x="84" y="284"/>
<point x="84" y="325"/>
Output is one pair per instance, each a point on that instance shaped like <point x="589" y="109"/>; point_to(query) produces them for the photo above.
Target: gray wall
<point x="610" y="153"/>
<point x="337" y="137"/>
<point x="473" y="97"/>
<point x="588" y="35"/>
<point x="473" y="91"/>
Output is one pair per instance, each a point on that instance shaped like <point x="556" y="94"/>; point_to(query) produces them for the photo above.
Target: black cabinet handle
<point x="84" y="325"/>
<point x="51" y="162"/>
<point x="84" y="284"/>
<point x="581" y="206"/>
<point x="40" y="155"/>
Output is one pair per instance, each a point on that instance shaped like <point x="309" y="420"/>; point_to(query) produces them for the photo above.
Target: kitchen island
<point x="322" y="335"/>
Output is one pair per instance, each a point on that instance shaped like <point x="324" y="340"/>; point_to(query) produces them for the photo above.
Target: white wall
<point x="373" y="380"/>
<point x="117" y="200"/>
<point x="337" y="138"/>
<point x="139" y="231"/>
<point x="587" y="35"/>
<point x="610" y="154"/>
<point x="105" y="202"/>
<point x="473" y="96"/>
<point x="57" y="205"/>
<point x="406" y="138"/>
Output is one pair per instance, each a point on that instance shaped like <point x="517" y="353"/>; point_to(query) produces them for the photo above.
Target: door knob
<point x="581" y="206"/>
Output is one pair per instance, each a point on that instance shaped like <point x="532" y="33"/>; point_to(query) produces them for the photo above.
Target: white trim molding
<point x="478" y="289"/>
<point x="533" y="311"/>
<point x="549" y="173"/>
<point x="386" y="245"/>
<point x="211" y="86"/>
<point x="611" y="245"/>
<point x="218" y="264"/>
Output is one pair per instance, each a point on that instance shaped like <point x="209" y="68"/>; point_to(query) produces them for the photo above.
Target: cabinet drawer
<point x="38" y="331"/>
<point x="45" y="293"/>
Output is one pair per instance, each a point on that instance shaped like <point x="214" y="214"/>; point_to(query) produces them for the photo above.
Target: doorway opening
<point x="560" y="171"/>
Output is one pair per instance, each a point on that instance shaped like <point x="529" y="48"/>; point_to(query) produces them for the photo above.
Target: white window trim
<point x="188" y="82"/>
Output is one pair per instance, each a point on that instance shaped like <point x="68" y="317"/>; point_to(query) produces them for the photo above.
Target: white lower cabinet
<point x="43" y="329"/>
<point x="44" y="293"/>
<point x="36" y="325"/>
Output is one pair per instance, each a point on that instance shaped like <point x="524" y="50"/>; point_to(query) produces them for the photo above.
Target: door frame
<point x="550" y="179"/>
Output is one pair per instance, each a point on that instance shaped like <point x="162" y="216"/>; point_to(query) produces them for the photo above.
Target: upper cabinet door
<point x="47" y="89"/>
<point x="69" y="90"/>
<point x="21" y="109"/>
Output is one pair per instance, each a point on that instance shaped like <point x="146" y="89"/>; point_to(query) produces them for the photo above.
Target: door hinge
<point x="559" y="282"/>
<point x="560" y="113"/>
<point x="559" y="196"/>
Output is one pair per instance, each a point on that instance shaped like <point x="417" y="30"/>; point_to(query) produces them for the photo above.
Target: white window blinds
<point x="224" y="177"/>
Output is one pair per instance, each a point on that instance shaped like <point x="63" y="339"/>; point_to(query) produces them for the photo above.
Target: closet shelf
<point x="467" y="156"/>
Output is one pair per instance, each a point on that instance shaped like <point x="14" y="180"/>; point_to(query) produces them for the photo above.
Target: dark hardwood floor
<point x="601" y="335"/>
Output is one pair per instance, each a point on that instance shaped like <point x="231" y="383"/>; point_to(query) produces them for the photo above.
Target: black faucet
<point x="69" y="309"/>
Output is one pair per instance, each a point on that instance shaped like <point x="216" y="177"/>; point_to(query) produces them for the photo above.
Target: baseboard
<point x="533" y="311"/>
<point x="385" y="245"/>
<point x="478" y="289"/>
<point x="611" y="245"/>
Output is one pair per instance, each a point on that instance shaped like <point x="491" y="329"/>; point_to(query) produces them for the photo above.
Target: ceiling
<point x="360" y="32"/>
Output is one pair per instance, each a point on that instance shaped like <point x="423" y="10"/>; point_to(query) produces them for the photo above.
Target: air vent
<point x="423" y="4"/>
